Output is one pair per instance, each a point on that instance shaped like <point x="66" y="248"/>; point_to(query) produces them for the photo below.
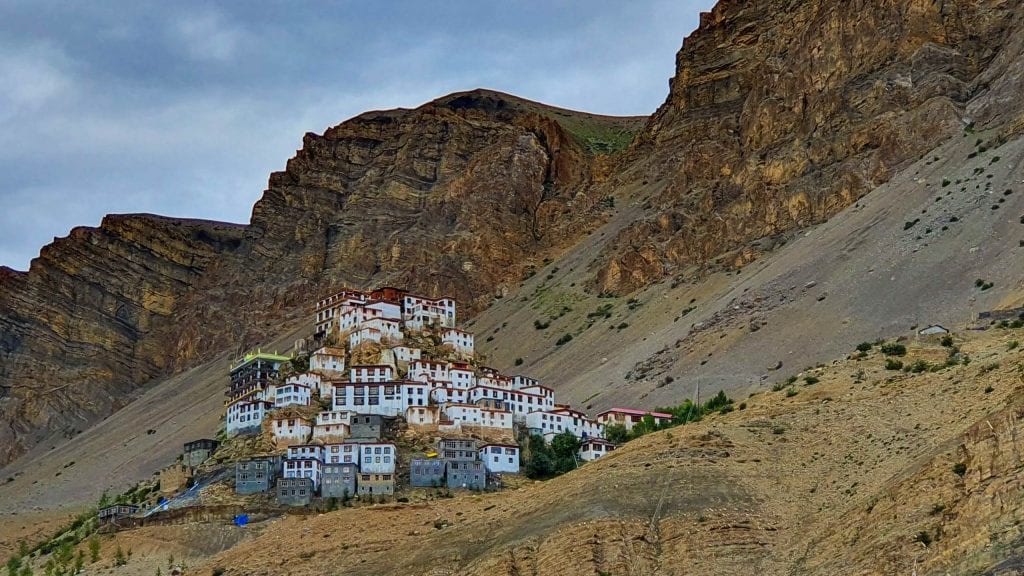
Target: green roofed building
<point x="252" y="373"/>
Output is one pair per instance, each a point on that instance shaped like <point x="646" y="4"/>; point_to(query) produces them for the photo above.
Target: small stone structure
<point x="294" y="491"/>
<point x="198" y="451"/>
<point x="466" y="475"/>
<point x="426" y="472"/>
<point x="338" y="480"/>
<point x="116" y="512"/>
<point x="255" y="475"/>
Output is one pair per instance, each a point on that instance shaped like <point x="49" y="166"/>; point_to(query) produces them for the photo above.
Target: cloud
<point x="30" y="77"/>
<point x="206" y="36"/>
<point x="184" y="110"/>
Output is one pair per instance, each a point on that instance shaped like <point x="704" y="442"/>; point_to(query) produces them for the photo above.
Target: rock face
<point x="94" y="317"/>
<point x="456" y="197"/>
<point x="781" y="114"/>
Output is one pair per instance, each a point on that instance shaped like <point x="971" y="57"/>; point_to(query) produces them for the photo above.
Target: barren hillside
<point x="854" y="473"/>
<point x="907" y="254"/>
<point x="820" y="175"/>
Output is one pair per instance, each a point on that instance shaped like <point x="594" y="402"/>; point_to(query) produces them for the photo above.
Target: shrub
<point x="989" y="389"/>
<point x="778" y="386"/>
<point x="923" y="537"/>
<point x="864" y="347"/>
<point x="217" y="571"/>
<point x="518" y="362"/>
<point x="119" y="557"/>
<point x="564" y="339"/>
<point x="622" y="326"/>
<point x="742" y="406"/>
<point x="947" y="341"/>
<point x="894" y="349"/>
<point x="918" y="366"/>
<point x="541" y="325"/>
<point x="13" y="565"/>
<point x="1012" y="345"/>
<point x="791" y="392"/>
<point x="94" y="548"/>
<point x="893" y="364"/>
<point x="945" y="182"/>
<point x="811" y="380"/>
<point x="778" y="430"/>
<point x="960" y="469"/>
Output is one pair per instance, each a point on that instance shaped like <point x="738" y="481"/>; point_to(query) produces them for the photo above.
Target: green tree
<point x="539" y="462"/>
<point x="616" y="433"/>
<point x="94" y="548"/>
<point x="564" y="447"/>
<point x="13" y="565"/>
<point x="64" y="554"/>
<point x="119" y="557"/>
<point x="717" y="402"/>
<point x="646" y="425"/>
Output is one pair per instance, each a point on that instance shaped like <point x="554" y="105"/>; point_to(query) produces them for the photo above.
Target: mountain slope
<point x="454" y="197"/>
<point x="862" y="275"/>
<point x="781" y="114"/>
<point x="840" y="478"/>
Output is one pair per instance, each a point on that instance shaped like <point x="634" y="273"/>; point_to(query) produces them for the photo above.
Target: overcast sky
<point x="184" y="109"/>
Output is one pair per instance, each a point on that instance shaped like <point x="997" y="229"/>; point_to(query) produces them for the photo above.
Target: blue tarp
<point x="241" y="519"/>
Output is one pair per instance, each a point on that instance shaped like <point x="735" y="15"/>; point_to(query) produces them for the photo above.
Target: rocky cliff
<point x="781" y="114"/>
<point x="456" y="197"/>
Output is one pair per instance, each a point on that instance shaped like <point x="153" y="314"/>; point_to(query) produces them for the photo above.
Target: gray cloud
<point x="185" y="108"/>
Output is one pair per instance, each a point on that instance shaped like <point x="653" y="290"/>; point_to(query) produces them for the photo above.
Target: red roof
<point x="635" y="412"/>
